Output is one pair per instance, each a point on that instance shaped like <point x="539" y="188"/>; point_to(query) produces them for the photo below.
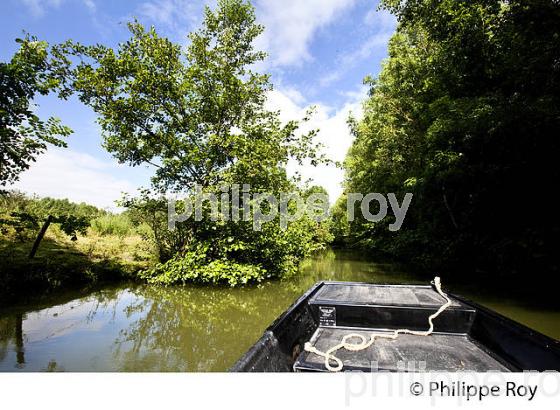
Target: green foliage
<point x="23" y="135"/>
<point x="234" y="254"/>
<point x="272" y="251"/>
<point x="149" y="210"/>
<point x="23" y="216"/>
<point x="59" y="264"/>
<point x="193" y="267"/>
<point x="62" y="259"/>
<point x="71" y="225"/>
<point x="340" y="226"/>
<point x="113" y="224"/>
<point x="465" y="115"/>
<point x="22" y="223"/>
<point x="14" y="201"/>
<point x="198" y="117"/>
<point x="53" y="206"/>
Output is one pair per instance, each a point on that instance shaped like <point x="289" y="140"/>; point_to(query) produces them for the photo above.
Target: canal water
<point x="147" y="328"/>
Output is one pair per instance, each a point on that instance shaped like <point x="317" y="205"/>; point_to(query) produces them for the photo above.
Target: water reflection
<point x="143" y="328"/>
<point x="11" y="328"/>
<point x="190" y="329"/>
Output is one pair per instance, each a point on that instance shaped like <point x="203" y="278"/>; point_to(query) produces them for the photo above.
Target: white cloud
<point x="80" y="177"/>
<point x="90" y="4"/>
<point x="383" y="25"/>
<point x="160" y="11"/>
<point x="334" y="134"/>
<point x="38" y="7"/>
<point x="381" y="20"/>
<point x="290" y="26"/>
<point x="177" y="17"/>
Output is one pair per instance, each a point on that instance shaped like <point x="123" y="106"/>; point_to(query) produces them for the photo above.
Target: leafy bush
<point x="234" y="254"/>
<point x="194" y="267"/>
<point x="22" y="216"/>
<point x="226" y="252"/>
<point x="15" y="201"/>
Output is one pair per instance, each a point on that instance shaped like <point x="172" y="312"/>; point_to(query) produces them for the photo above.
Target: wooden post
<point x="20" y="351"/>
<point x="40" y="237"/>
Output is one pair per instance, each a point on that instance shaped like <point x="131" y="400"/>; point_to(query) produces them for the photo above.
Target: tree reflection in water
<point x="192" y="328"/>
<point x="148" y="328"/>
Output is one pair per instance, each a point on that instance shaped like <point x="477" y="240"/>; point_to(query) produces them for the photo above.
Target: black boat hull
<point x="467" y="336"/>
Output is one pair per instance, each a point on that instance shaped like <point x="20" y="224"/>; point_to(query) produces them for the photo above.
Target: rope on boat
<point x="363" y="344"/>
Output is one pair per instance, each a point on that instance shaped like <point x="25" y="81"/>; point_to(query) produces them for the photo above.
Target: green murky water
<point x="143" y="328"/>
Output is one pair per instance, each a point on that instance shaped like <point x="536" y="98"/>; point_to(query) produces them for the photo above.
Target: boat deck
<point x="365" y="309"/>
<point x="437" y="352"/>
<point x="381" y="295"/>
<point x="466" y="336"/>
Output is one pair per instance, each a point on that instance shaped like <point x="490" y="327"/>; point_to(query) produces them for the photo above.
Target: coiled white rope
<point x="363" y="344"/>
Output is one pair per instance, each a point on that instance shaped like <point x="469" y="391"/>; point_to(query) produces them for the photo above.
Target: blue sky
<point x="319" y="52"/>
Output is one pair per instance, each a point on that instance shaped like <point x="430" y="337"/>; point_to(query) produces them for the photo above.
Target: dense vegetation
<point x="197" y="116"/>
<point x="465" y="115"/>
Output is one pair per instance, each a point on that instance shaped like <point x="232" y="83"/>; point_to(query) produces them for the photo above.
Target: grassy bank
<point x="101" y="255"/>
<point x="87" y="245"/>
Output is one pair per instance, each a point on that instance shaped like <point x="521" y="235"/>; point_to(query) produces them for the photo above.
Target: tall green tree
<point x="23" y="135"/>
<point x="465" y="114"/>
<point x="198" y="116"/>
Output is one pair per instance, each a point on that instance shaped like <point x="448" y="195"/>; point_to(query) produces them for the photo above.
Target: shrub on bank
<point x="193" y="268"/>
<point x="234" y="254"/>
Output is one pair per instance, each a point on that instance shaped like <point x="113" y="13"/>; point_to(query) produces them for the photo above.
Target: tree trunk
<point x="40" y="237"/>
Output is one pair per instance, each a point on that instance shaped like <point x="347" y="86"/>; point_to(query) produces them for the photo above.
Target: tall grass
<point x="113" y="224"/>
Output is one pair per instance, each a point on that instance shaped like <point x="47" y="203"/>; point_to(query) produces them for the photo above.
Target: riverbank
<point x="61" y="263"/>
<point x="139" y="327"/>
